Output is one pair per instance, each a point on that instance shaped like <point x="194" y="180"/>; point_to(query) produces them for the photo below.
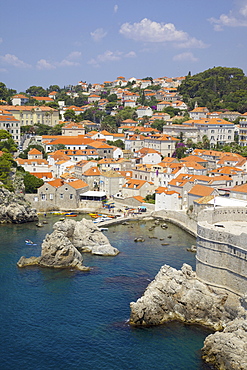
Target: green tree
<point x="32" y="183"/>
<point x="69" y="115"/>
<point x="36" y="91"/>
<point x="158" y="124"/>
<point x="6" y="164"/>
<point x="109" y="123"/>
<point x="119" y="143"/>
<point x="6" y="142"/>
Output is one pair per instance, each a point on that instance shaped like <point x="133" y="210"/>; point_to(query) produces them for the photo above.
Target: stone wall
<point x="179" y="218"/>
<point x="221" y="258"/>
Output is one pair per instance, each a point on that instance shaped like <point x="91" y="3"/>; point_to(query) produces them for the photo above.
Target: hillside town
<point x="160" y="152"/>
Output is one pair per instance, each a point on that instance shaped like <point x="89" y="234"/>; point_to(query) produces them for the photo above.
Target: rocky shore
<point x="14" y="208"/>
<point x="61" y="249"/>
<point x="179" y="295"/>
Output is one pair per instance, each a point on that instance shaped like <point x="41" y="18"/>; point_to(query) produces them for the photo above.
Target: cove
<point x="63" y="319"/>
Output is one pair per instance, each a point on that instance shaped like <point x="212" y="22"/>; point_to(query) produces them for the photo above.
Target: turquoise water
<point x="62" y="319"/>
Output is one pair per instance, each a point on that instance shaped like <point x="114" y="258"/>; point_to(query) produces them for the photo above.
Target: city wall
<point x="179" y="218"/>
<point x="221" y="258"/>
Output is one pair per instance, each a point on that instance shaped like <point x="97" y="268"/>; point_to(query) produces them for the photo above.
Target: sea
<point x="54" y="319"/>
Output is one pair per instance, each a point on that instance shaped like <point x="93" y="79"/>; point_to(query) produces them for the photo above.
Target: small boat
<point x="94" y="215"/>
<point x="104" y="229"/>
<point x="101" y="219"/>
<point x="72" y="215"/>
<point x="29" y="242"/>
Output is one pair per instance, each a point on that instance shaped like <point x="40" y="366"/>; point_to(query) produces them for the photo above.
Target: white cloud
<point x="192" y="43"/>
<point x="69" y="61"/>
<point x="14" y="61"/>
<point x="43" y="64"/>
<point x="115" y="8"/>
<point x="187" y="56"/>
<point x="237" y="18"/>
<point x="110" y="56"/>
<point x="98" y="34"/>
<point x="131" y="54"/>
<point x="74" y="55"/>
<point x="154" y="32"/>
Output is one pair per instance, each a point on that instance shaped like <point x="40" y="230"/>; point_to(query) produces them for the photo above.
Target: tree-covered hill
<point x="216" y="88"/>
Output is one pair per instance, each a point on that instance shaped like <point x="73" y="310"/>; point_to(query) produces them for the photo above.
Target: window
<point x="71" y="196"/>
<point x="43" y="197"/>
<point x="51" y="196"/>
<point x="61" y="196"/>
<point x="66" y="188"/>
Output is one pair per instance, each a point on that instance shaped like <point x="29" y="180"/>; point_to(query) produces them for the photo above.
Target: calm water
<point x="61" y="319"/>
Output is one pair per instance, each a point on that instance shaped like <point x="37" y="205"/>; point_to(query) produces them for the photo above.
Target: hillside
<point x="217" y="88"/>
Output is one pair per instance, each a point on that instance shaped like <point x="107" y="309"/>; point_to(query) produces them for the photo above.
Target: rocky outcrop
<point x="227" y="350"/>
<point x="62" y="248"/>
<point x="14" y="208"/>
<point x="57" y="252"/>
<point x="179" y="295"/>
<point x="86" y="237"/>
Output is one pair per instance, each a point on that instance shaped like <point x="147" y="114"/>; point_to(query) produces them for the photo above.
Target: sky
<point x="62" y="42"/>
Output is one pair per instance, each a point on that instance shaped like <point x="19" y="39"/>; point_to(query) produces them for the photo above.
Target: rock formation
<point x="61" y="248"/>
<point x="14" y="208"/>
<point x="58" y="252"/>
<point x="86" y="237"/>
<point x="179" y="295"/>
<point x="227" y="350"/>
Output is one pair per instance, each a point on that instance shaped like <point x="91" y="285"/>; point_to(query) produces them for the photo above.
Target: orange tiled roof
<point x="201" y="190"/>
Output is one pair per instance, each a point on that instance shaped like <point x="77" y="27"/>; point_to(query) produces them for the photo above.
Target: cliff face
<point x="14" y="208"/>
<point x="179" y="295"/>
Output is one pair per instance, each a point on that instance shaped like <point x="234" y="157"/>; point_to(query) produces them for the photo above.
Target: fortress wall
<point x="221" y="258"/>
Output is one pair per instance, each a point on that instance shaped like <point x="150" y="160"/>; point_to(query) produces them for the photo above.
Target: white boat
<point x="101" y="219"/>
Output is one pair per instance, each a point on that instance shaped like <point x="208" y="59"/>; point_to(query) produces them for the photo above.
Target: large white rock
<point x="86" y="236"/>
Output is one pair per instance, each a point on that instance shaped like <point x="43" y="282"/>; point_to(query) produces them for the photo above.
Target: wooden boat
<point x="70" y="215"/>
<point x="94" y="215"/>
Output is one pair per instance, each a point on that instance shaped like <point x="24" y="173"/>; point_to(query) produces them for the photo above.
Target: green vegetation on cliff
<point x="216" y="88"/>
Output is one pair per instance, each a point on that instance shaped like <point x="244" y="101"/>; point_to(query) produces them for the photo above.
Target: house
<point x="92" y="177"/>
<point x="43" y="99"/>
<point x="73" y="129"/>
<point x="92" y="98"/>
<point x="31" y="115"/>
<point x="164" y="144"/>
<point x="162" y="105"/>
<point x="199" y="191"/>
<point x="111" y="182"/>
<point x="198" y="113"/>
<point x="58" y="194"/>
<point x="134" y="187"/>
<point x="82" y="166"/>
<point x="144" y="111"/>
<point x="239" y="192"/>
<point x="238" y="175"/>
<point x="9" y="123"/>
<point x="104" y="150"/>
<point x="19" y="99"/>
<point x="35" y="165"/>
<point x="34" y="154"/>
<point x="147" y="156"/>
<point x="167" y="199"/>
